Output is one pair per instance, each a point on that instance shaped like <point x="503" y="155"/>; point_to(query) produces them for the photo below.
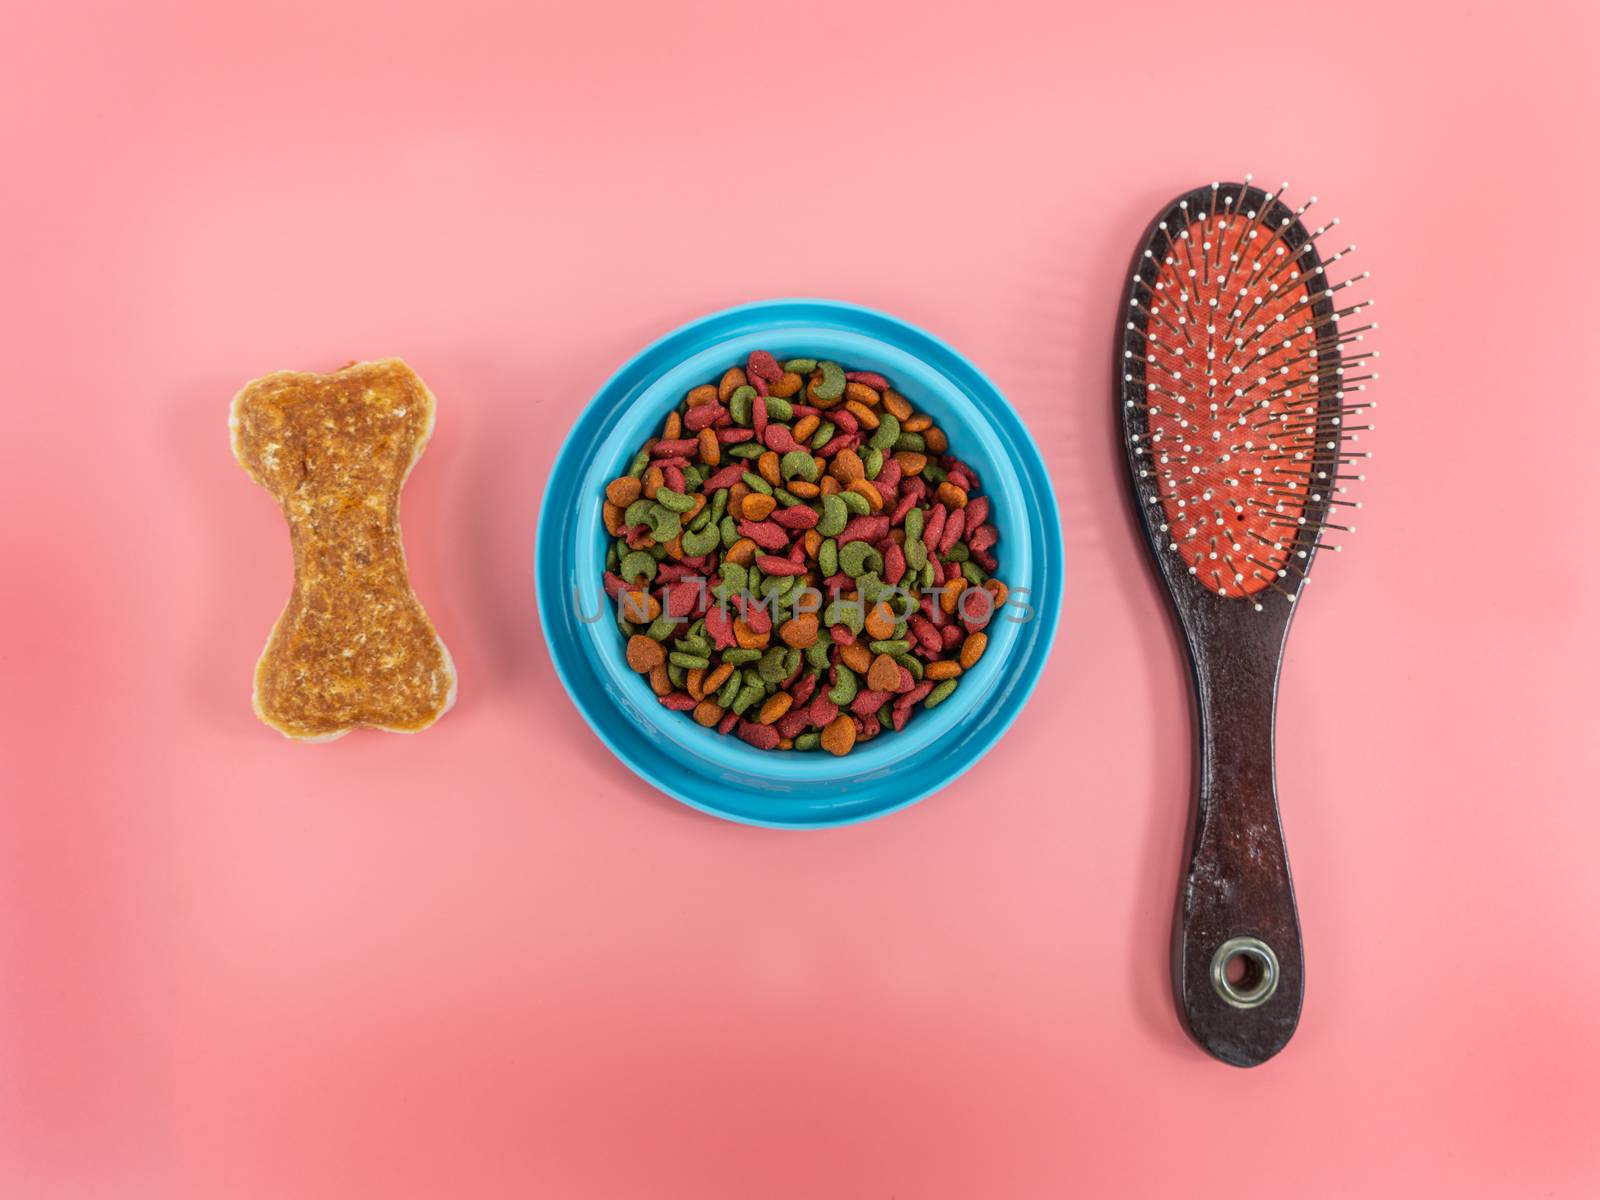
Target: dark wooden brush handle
<point x="1238" y="884"/>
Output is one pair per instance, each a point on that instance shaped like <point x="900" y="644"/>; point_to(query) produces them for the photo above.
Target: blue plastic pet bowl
<point x="721" y="774"/>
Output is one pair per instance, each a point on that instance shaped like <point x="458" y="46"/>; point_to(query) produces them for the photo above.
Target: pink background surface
<point x="486" y="962"/>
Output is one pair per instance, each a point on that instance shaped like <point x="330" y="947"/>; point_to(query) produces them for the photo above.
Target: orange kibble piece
<point x="884" y="674"/>
<point x="747" y="638"/>
<point x="743" y="552"/>
<point x="732" y="379"/>
<point x="806" y="491"/>
<point x="787" y="386"/>
<point x="839" y="734"/>
<point x="708" y="713"/>
<point x="645" y="653"/>
<point x="911" y="463"/>
<point x="856" y="656"/>
<point x="638" y="606"/>
<point x="862" y="394"/>
<point x="868" y="418"/>
<point x="767" y="468"/>
<point x="945" y="668"/>
<point x="694" y="682"/>
<point x="897" y="404"/>
<point x="950" y="495"/>
<point x="998" y="591"/>
<point x="972" y="649"/>
<point x="777" y="704"/>
<point x="847" y="467"/>
<point x="813" y="543"/>
<point x="704" y="394"/>
<point x="880" y="622"/>
<point x="800" y="631"/>
<point x="917" y="423"/>
<point x="611" y="516"/>
<point x="710" y="448"/>
<point x="624" y="491"/>
<point x="952" y="594"/>
<point x="653" y="479"/>
<point x="660" y="681"/>
<point x="933" y="438"/>
<point x="718" y="677"/>
<point x="829" y="486"/>
<point x="757" y="506"/>
<point x="864" y="488"/>
<point x="673" y="429"/>
<point x="805" y="427"/>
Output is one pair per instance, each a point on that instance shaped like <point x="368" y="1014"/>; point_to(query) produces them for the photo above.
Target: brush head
<point x="1243" y="399"/>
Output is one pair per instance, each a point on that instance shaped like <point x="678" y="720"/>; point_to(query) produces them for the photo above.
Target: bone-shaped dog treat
<point x="353" y="645"/>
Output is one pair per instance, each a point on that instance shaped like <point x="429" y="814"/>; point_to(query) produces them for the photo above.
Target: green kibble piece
<point x="779" y="409"/>
<point x="719" y="504"/>
<point x="791" y="661"/>
<point x="916" y="552"/>
<point x="808" y="741"/>
<point x="688" y="662"/>
<point x="845" y="612"/>
<point x="891" y="647"/>
<point x="927" y="573"/>
<point x="676" y="501"/>
<point x="664" y="524"/>
<point x="612" y="558"/>
<point x="741" y="404"/>
<point x="934" y="473"/>
<point x="941" y="692"/>
<point x="801" y="366"/>
<point x="785" y="498"/>
<point x="835" y="516"/>
<point x="771" y="667"/>
<point x="817" y="653"/>
<point x="857" y="558"/>
<point x="957" y="553"/>
<point x="638" y="513"/>
<point x="746" y="450"/>
<point x="914" y="520"/>
<point x="828" y="553"/>
<point x="887" y="432"/>
<point x="729" y="531"/>
<point x="678" y="675"/>
<point x="855" y="502"/>
<point x="798" y="464"/>
<point x="844" y="690"/>
<point x="872" y="588"/>
<point x="657" y="552"/>
<point x="757" y="484"/>
<point x="973" y="573"/>
<point x="733" y="576"/>
<point x="885" y="720"/>
<point x="873" y="461"/>
<point x="823" y="435"/>
<point x="638" y="563"/>
<point x="911" y="663"/>
<point x="730" y="690"/>
<point x="641" y="461"/>
<point x="911" y="441"/>
<point x="738" y="656"/>
<point x="701" y="541"/>
<point x="663" y="627"/>
<point x="702" y="518"/>
<point x="749" y="693"/>
<point x="831" y="385"/>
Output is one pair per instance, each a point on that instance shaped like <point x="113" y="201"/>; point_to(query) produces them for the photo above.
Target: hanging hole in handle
<point x="1244" y="972"/>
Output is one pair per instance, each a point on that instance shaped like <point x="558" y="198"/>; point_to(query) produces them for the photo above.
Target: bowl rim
<point x="639" y="381"/>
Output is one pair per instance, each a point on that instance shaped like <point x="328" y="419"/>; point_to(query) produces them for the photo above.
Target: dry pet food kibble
<point x="798" y="559"/>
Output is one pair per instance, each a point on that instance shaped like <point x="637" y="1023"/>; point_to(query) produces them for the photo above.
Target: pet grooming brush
<point x="1239" y="383"/>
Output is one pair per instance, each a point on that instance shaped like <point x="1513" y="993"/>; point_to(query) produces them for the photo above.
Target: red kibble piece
<point x="679" y="701"/>
<point x="726" y="477"/>
<point x="953" y="526"/>
<point x="871" y="378"/>
<point x="864" y="529"/>
<point x="729" y="720"/>
<point x="667" y="448"/>
<point x="762" y="737"/>
<point x="821" y="711"/>
<point x="952" y="636"/>
<point x="803" y="690"/>
<point x="735" y="433"/>
<point x="982" y="537"/>
<point x="720" y="626"/>
<point x="674" y="476"/>
<point x="779" y="438"/>
<point x="868" y="702"/>
<point x="703" y="416"/>
<point x="762" y="365"/>
<point x="841" y="635"/>
<point x="894" y="563"/>
<point x="682" y="598"/>
<point x="844" y="419"/>
<point x="796" y="516"/>
<point x="771" y="564"/>
<point x="926" y="633"/>
<point x="933" y="528"/>
<point x="758" y="417"/>
<point x="977" y="511"/>
<point x="765" y="534"/>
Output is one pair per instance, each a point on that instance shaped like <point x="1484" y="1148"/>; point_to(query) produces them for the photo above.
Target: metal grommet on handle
<point x="1260" y="977"/>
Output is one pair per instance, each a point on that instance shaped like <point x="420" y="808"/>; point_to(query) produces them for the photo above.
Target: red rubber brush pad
<point x="1224" y="442"/>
